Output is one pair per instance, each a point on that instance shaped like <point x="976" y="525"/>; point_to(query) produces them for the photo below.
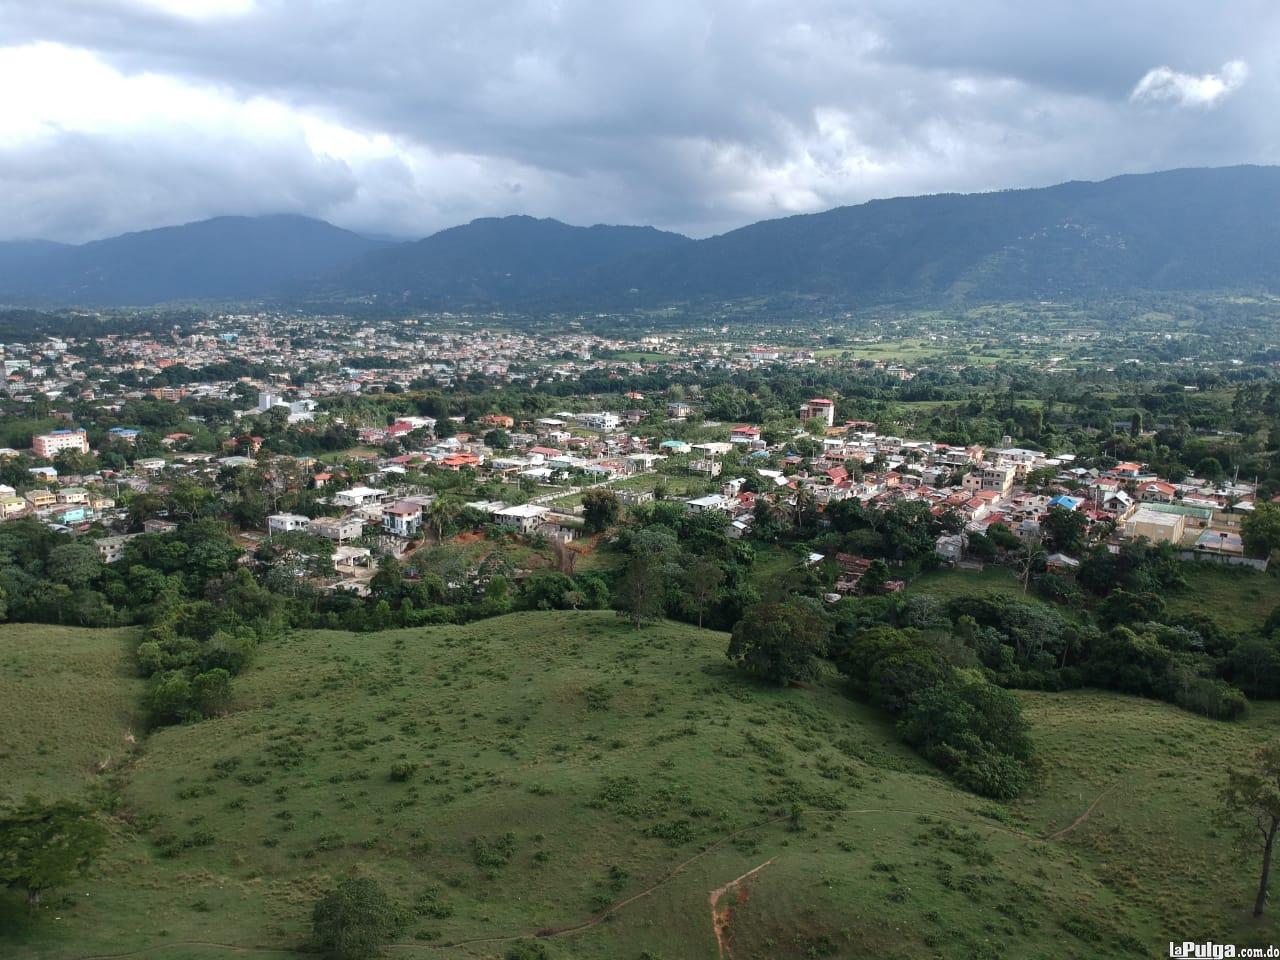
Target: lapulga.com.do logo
<point x="1217" y="951"/>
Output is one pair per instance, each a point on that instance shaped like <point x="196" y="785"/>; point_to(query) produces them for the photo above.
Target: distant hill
<point x="501" y="261"/>
<point x="17" y="254"/>
<point x="219" y="259"/>
<point x="1184" y="229"/>
<point x="1205" y="229"/>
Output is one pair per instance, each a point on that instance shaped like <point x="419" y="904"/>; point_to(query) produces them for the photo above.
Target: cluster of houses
<point x="981" y="486"/>
<point x="851" y="461"/>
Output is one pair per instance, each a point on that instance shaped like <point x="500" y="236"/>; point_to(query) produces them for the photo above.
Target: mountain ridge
<point x="1187" y="229"/>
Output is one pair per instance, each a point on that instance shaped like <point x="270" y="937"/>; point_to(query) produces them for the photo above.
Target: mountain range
<point x="1195" y="229"/>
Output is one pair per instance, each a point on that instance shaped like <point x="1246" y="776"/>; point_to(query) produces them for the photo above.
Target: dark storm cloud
<point x="692" y="114"/>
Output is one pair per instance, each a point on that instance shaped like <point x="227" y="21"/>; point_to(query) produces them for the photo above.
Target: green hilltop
<point x="563" y="776"/>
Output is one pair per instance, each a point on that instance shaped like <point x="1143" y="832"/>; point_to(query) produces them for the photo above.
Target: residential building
<point x="111" y="549"/>
<point x="603" y="422"/>
<point x="819" y="409"/>
<point x="999" y="478"/>
<point x="402" y="518"/>
<point x="336" y="528"/>
<point x="1157" y="491"/>
<point x="1154" y="526"/>
<point x="287" y="522"/>
<point x="358" y="496"/>
<point x="526" y="518"/>
<point x="41" y="499"/>
<point x="713" y="501"/>
<point x="49" y="445"/>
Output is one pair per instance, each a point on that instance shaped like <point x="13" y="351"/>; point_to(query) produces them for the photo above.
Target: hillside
<point x="499" y="261"/>
<point x="1182" y="230"/>
<point x="598" y="785"/>
<point x="225" y="258"/>
<point x="69" y="710"/>
<point x="1179" y="230"/>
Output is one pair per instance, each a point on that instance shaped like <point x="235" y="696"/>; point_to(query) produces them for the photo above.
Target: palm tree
<point x="440" y="514"/>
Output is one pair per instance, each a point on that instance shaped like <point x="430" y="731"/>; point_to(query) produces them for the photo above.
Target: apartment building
<point x="49" y="445"/>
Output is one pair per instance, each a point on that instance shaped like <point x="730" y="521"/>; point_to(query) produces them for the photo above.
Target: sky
<point x="401" y="117"/>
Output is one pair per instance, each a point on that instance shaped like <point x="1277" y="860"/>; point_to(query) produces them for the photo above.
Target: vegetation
<point x="355" y="919"/>
<point x="44" y="846"/>
<point x="595" y="746"/>
<point x="780" y="642"/>
<point x="1251" y="805"/>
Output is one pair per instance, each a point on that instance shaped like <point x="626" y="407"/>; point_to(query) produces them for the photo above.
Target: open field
<point x="575" y="777"/>
<point x="69" y="704"/>
<point x="1238" y="598"/>
<point x="964" y="583"/>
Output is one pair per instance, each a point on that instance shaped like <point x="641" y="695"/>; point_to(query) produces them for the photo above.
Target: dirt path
<point x="170" y="944"/>
<point x="1078" y="821"/>
<point x="548" y="932"/>
<point x="720" y="919"/>
<point x="596" y="919"/>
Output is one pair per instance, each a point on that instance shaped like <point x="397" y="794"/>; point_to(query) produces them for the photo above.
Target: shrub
<point x="353" y="920"/>
<point x="403" y="770"/>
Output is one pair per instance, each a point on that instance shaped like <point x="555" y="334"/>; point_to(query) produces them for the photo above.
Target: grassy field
<point x="965" y="583"/>
<point x="68" y="708"/>
<point x="1239" y="598"/>
<point x="596" y="784"/>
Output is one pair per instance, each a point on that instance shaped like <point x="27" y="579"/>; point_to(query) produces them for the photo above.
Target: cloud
<point x="695" y="115"/>
<point x="1166" y="85"/>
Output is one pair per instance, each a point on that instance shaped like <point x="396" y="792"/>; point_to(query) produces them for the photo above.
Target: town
<point x="373" y="484"/>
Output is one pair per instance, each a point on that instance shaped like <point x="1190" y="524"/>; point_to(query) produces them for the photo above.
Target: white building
<point x="286" y="522"/>
<point x="604" y="422"/>
<point x="526" y="518"/>
<point x="111" y="549"/>
<point x="820" y="409"/>
<point x="358" y="496"/>
<point x="402" y="518"/>
<point x="713" y="501"/>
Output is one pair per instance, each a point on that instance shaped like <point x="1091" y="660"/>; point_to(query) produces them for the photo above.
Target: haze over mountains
<point x="1200" y="229"/>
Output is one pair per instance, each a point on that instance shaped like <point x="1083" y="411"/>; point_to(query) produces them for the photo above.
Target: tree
<point x="702" y="582"/>
<point x="975" y="731"/>
<point x="874" y="577"/>
<point x="1064" y="529"/>
<point x="353" y="920"/>
<point x="1250" y="805"/>
<point x="169" y="698"/>
<point x="1260" y="530"/>
<point x="780" y="642"/>
<point x="641" y="591"/>
<point x="600" y="508"/>
<point x="75" y="564"/>
<point x="497" y="440"/>
<point x="211" y="691"/>
<point x="45" y="846"/>
<point x="441" y="515"/>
